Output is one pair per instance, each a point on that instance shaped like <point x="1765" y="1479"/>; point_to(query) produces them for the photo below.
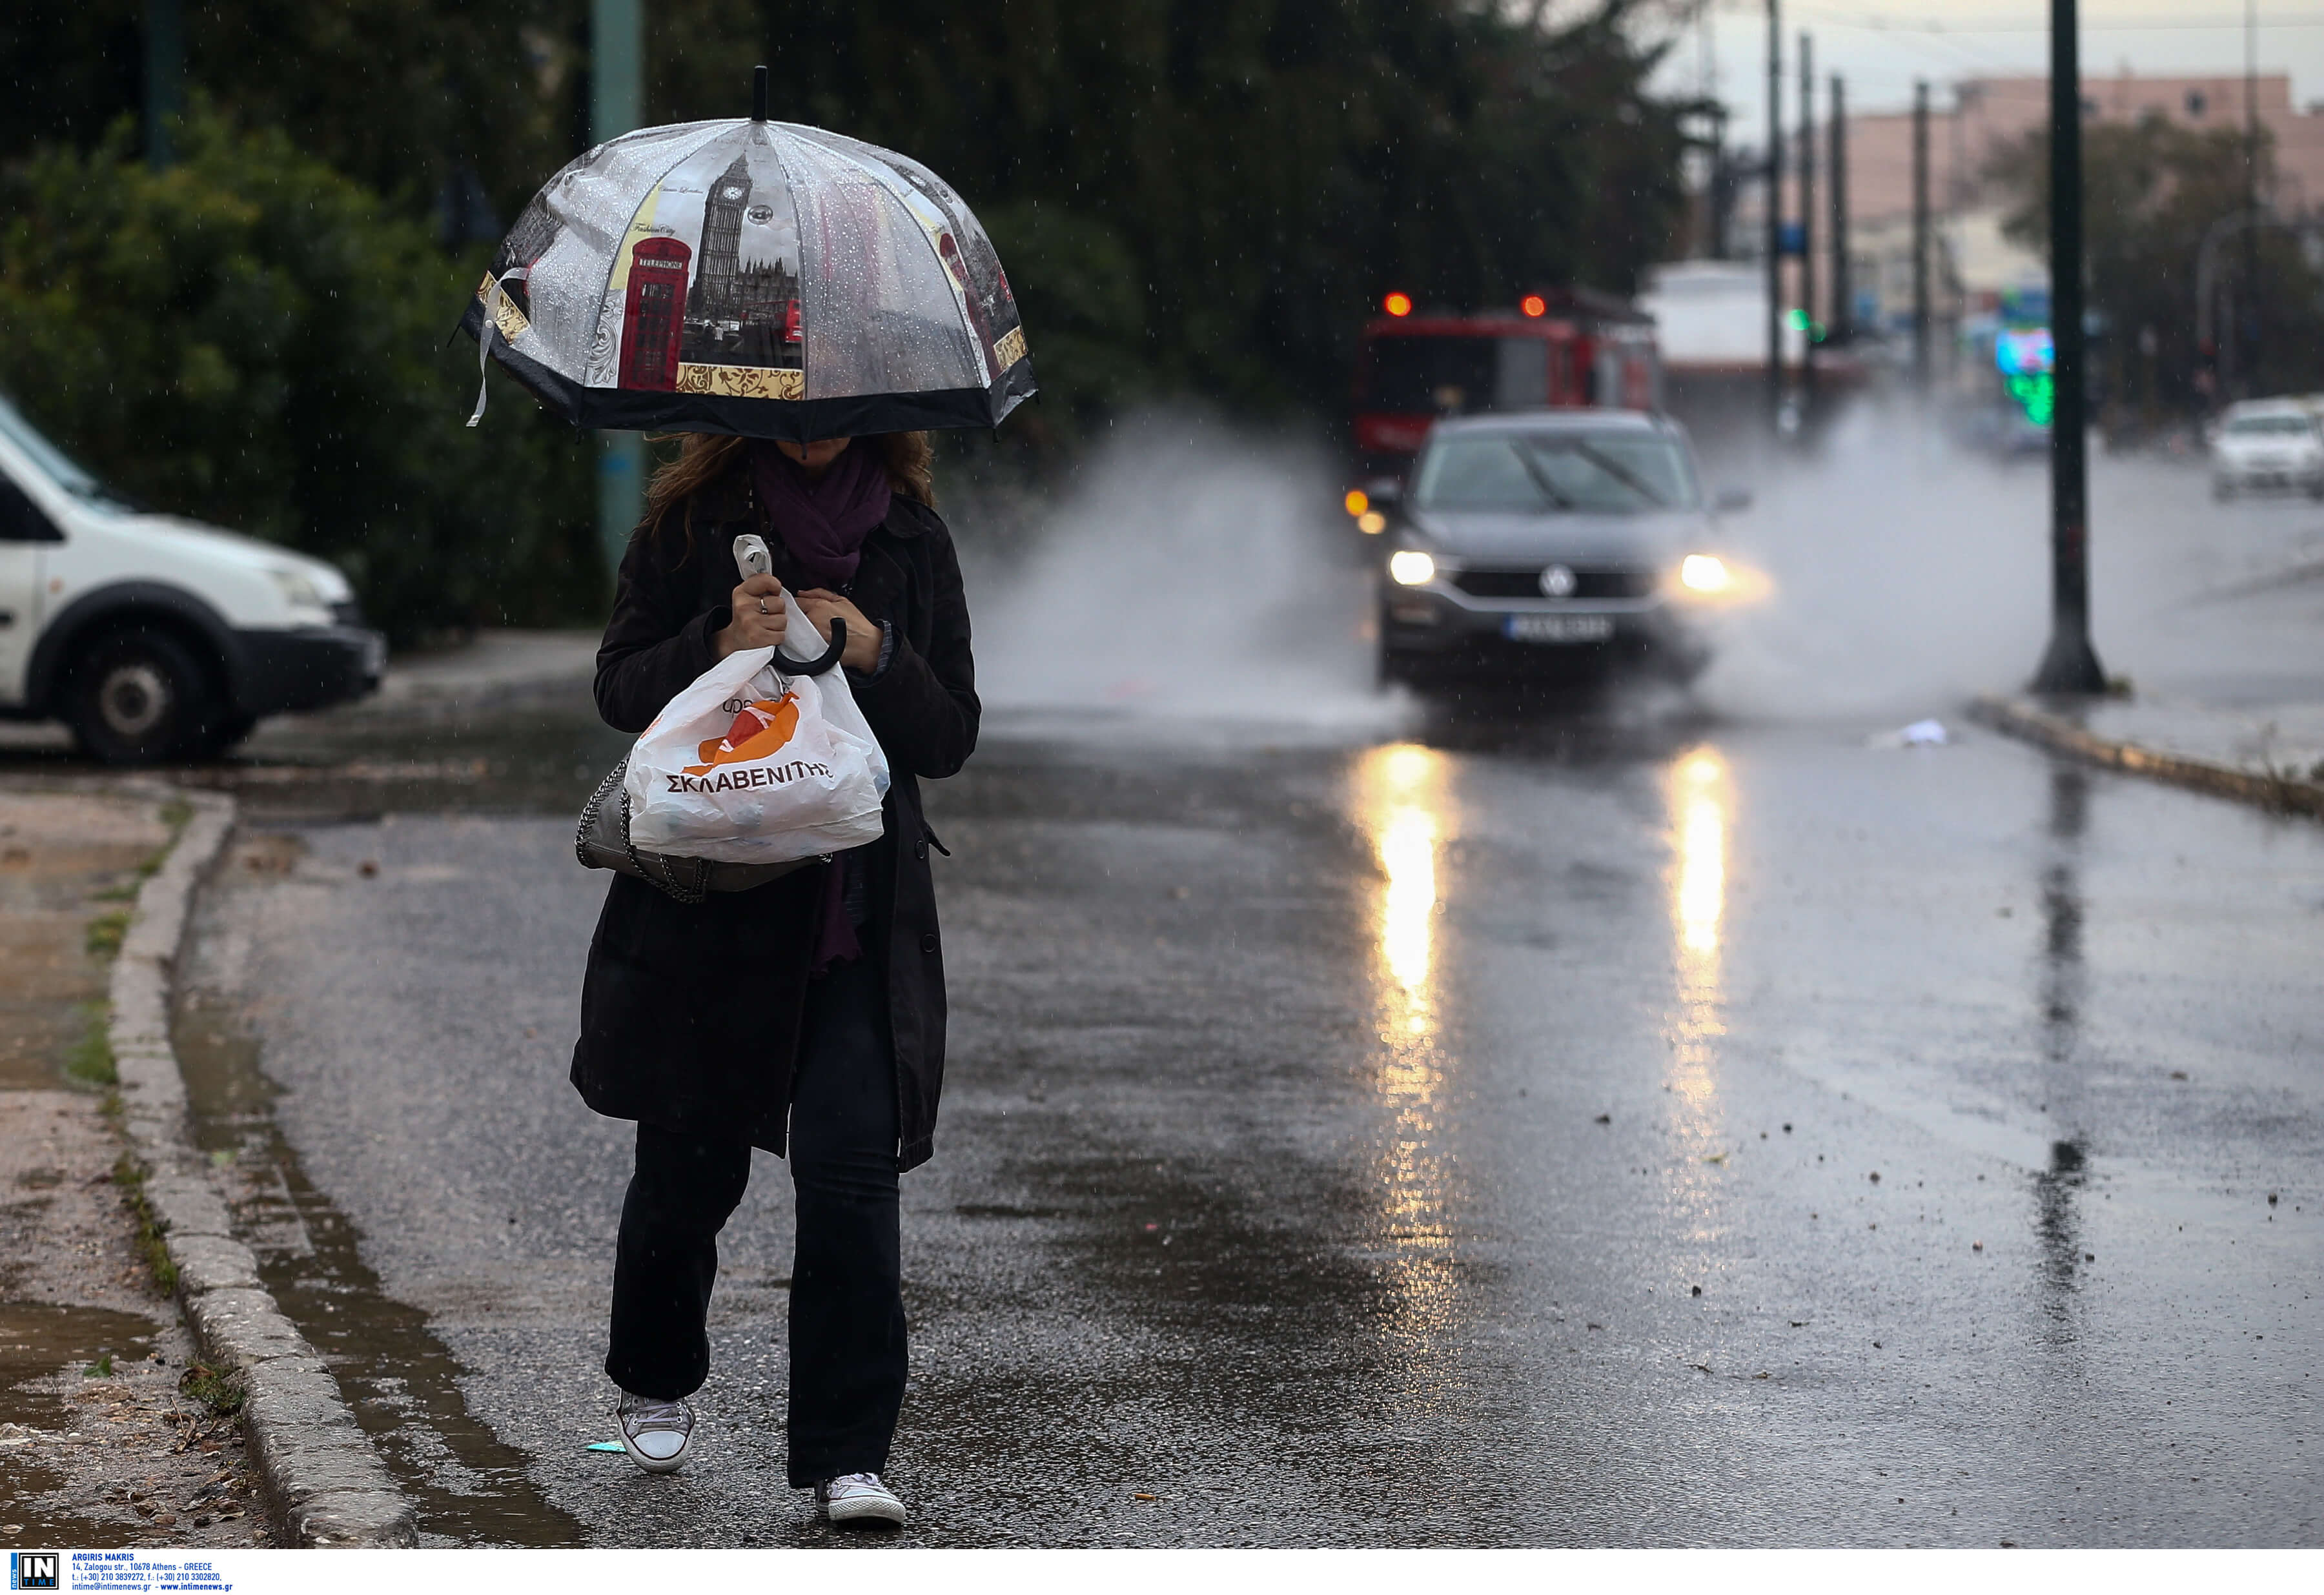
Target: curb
<point x="324" y="1482"/>
<point x="2019" y="718"/>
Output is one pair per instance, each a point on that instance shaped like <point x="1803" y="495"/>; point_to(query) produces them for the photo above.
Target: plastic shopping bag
<point x="755" y="765"/>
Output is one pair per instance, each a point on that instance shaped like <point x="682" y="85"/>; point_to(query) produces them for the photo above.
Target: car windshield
<point x="52" y="462"/>
<point x="1549" y="473"/>
<point x="2270" y="426"/>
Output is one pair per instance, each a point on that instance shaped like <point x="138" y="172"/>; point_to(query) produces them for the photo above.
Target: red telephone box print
<point x="655" y="315"/>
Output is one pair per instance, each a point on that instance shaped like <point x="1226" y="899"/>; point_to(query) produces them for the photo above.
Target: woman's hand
<point x="756" y="607"/>
<point x="863" y="650"/>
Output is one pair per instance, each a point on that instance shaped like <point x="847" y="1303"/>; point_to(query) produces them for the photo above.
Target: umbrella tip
<point x="757" y="94"/>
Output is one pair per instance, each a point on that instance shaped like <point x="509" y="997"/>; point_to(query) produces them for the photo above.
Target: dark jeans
<point x="847" y="1352"/>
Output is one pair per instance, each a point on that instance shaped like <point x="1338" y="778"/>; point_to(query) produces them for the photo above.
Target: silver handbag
<point x="602" y="842"/>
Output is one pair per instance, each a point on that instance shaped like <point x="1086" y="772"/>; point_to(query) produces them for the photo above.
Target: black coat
<point x="691" y="1014"/>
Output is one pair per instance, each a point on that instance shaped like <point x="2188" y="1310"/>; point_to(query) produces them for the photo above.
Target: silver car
<point x="2269" y="444"/>
<point x="1573" y="538"/>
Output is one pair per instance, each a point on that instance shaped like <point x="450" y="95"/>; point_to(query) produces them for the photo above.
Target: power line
<point x="1877" y="23"/>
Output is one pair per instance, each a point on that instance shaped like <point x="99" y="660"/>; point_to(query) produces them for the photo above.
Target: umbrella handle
<point x="792" y="666"/>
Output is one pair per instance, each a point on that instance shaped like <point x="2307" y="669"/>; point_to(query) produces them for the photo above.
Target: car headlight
<point x="297" y="590"/>
<point x="1705" y="572"/>
<point x="1412" y="567"/>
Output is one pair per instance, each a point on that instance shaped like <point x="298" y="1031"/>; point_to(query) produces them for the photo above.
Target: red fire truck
<point x="1565" y="348"/>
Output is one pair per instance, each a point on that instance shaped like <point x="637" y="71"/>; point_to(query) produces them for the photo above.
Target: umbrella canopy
<point x="758" y="278"/>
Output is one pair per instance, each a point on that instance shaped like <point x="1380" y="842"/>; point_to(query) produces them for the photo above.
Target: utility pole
<point x="2246" y="327"/>
<point x="616" y="49"/>
<point x="165" y="80"/>
<point x="2070" y="665"/>
<point x="1807" y="222"/>
<point x="1774" y="214"/>
<point x="1921" y="236"/>
<point x="1721" y="187"/>
<point x="1843" y="290"/>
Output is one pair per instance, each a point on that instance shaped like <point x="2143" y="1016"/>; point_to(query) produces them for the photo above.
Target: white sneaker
<point x="858" y="1498"/>
<point x="656" y="1433"/>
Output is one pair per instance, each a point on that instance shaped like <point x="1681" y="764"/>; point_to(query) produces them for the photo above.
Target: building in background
<point x="1989" y="113"/>
<point x="1975" y="271"/>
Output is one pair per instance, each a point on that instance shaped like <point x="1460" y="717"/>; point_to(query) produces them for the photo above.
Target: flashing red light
<point x="1533" y="304"/>
<point x="1397" y="304"/>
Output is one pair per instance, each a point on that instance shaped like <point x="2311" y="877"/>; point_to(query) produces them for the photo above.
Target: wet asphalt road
<point x="1337" y="1140"/>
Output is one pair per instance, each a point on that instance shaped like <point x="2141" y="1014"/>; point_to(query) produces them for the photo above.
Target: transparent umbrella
<point x="753" y="277"/>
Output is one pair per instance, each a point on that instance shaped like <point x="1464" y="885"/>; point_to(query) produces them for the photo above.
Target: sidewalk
<point x="2276" y="761"/>
<point x="497" y="669"/>
<point x="2217" y="613"/>
<point x="104" y="1437"/>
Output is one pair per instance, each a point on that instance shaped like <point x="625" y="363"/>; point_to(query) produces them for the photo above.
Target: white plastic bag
<point x="753" y="765"/>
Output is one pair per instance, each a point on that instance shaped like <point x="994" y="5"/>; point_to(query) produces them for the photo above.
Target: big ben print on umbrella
<point x="758" y="278"/>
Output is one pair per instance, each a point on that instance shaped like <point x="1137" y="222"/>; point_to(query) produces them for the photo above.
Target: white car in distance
<point x="2269" y="445"/>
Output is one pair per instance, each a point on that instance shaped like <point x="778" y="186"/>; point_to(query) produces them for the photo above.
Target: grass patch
<point x="127" y="892"/>
<point x="174" y="814"/>
<point x="89" y="1060"/>
<point x="220" y="1392"/>
<point x="130" y="1179"/>
<point x="105" y="934"/>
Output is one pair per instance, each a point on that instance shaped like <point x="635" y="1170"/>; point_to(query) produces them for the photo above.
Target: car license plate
<point x="1558" y="628"/>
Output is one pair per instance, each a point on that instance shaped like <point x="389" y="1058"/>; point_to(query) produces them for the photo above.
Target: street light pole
<point x="2070" y="665"/>
<point x="616" y="45"/>
<point x="1774" y="215"/>
<point x="1807" y="222"/>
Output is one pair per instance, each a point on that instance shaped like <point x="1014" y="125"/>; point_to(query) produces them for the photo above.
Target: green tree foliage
<point x="2151" y="188"/>
<point x="1213" y="196"/>
<point x="253" y="339"/>
<point x="404" y="96"/>
<point x="1192" y="196"/>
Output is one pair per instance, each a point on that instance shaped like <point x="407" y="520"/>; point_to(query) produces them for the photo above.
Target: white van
<point x="152" y="636"/>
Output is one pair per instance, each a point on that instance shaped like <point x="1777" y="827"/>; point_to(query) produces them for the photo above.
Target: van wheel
<point x="138" y="697"/>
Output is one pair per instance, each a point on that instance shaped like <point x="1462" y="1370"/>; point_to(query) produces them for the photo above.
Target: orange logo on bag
<point x="760" y="729"/>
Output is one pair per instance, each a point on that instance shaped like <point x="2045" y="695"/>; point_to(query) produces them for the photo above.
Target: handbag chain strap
<point x="659" y="872"/>
<point x="589" y="812"/>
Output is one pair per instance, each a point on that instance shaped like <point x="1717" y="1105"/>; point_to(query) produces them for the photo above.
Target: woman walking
<point x="805" y="1016"/>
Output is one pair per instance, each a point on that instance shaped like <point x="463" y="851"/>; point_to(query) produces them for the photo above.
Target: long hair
<point x="704" y="459"/>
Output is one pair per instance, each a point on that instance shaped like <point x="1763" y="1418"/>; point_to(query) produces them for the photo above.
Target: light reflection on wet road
<point x="1592" y="1134"/>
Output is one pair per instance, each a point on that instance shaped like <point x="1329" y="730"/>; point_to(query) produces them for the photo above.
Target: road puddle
<point x="46" y="1352"/>
<point x="467" y="1486"/>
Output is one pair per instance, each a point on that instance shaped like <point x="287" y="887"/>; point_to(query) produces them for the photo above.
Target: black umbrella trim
<point x="799" y="420"/>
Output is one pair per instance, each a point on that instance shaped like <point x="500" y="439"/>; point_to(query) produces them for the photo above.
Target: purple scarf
<point x="823" y="523"/>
